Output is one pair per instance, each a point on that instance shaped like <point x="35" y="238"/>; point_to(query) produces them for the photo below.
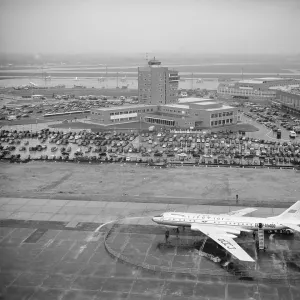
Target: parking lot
<point x="273" y="118"/>
<point x="223" y="148"/>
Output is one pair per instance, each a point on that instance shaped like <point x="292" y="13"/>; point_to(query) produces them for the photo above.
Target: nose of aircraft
<point x="155" y="219"/>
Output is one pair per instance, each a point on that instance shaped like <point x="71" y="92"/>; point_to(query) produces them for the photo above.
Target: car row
<point x="221" y="148"/>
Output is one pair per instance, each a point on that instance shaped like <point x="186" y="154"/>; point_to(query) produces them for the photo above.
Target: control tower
<point x="157" y="84"/>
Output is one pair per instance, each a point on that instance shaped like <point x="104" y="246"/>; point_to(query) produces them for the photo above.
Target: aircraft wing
<point x="241" y="212"/>
<point x="224" y="239"/>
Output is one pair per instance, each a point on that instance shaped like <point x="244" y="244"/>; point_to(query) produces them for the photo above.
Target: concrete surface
<point x="47" y="258"/>
<point x="49" y="213"/>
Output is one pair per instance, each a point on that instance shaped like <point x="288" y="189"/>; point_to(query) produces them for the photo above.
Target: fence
<point x="152" y="164"/>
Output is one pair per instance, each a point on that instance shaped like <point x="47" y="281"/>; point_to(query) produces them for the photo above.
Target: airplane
<point x="223" y="228"/>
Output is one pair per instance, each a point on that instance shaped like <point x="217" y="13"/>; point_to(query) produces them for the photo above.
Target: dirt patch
<point x="55" y="183"/>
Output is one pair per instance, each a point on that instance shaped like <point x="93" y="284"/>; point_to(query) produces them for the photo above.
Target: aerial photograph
<point x="149" y="150"/>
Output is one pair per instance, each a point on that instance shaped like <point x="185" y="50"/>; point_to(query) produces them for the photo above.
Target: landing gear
<point x="177" y="229"/>
<point x="281" y="231"/>
<point x="167" y="234"/>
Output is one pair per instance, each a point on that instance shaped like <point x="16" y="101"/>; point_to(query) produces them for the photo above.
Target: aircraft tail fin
<point x="292" y="212"/>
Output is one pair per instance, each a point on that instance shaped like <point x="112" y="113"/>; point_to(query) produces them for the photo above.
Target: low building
<point x="245" y="92"/>
<point x="289" y="100"/>
<point x="264" y="83"/>
<point x="120" y="114"/>
<point x="197" y="114"/>
<point x="257" y="88"/>
<point x="205" y="114"/>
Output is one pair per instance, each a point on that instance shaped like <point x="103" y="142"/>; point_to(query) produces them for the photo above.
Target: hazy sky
<point x="201" y="26"/>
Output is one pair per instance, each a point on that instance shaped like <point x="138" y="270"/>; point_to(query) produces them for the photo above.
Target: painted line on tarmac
<point x="109" y="222"/>
<point x="104" y="224"/>
<point x="94" y="235"/>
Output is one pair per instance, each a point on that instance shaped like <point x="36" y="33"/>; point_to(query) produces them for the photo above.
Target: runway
<point x="55" y="249"/>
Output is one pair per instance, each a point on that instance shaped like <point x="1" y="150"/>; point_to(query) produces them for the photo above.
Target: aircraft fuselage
<point x="187" y="219"/>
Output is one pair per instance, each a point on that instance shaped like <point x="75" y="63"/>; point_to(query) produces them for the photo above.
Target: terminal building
<point x="159" y="104"/>
<point x="201" y="114"/>
<point x="245" y="93"/>
<point x="289" y="100"/>
<point x="204" y="113"/>
<point x="257" y="88"/>
<point x="264" y="83"/>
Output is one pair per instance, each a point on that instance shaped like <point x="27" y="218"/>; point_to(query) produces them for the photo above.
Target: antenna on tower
<point x="146" y="58"/>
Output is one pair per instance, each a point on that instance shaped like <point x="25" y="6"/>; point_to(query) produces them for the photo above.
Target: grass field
<point x="189" y="185"/>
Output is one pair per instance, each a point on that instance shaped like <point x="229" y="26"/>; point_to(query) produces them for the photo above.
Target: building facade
<point x="245" y="93"/>
<point x="120" y="114"/>
<point x="156" y="84"/>
<point x="257" y="88"/>
<point x="159" y="105"/>
<point x="264" y="83"/>
<point x="290" y="100"/>
<point x="203" y="114"/>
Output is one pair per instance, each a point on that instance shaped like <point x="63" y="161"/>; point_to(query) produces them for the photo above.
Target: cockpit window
<point x="158" y="216"/>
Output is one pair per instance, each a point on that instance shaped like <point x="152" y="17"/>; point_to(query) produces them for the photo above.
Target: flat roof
<point x="223" y="107"/>
<point x="272" y="78"/>
<point x="263" y="80"/>
<point x="192" y="99"/>
<point x="245" y="88"/>
<point x="125" y="107"/>
<point x="295" y="91"/>
<point x="284" y="88"/>
<point x="251" y="81"/>
<point x="177" y="106"/>
<point x="147" y="68"/>
<point x="206" y="103"/>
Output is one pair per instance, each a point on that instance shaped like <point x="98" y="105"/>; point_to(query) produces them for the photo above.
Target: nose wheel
<point x="177" y="229"/>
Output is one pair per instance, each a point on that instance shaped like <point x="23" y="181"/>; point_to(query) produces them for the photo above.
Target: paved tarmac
<point x="49" y="250"/>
